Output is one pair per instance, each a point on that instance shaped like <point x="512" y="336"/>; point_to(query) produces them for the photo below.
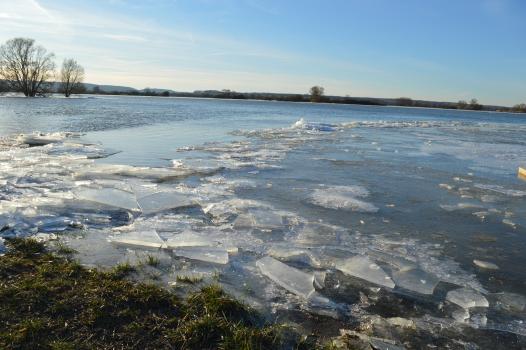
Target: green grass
<point x="48" y="301"/>
<point x="189" y="279"/>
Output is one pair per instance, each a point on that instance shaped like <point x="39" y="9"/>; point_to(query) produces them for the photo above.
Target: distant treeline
<point x="229" y="94"/>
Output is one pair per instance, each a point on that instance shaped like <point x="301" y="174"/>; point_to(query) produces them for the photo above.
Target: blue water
<point x="444" y="182"/>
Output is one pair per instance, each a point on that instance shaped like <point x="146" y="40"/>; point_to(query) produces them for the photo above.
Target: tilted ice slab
<point x="467" y="298"/>
<point x="343" y="197"/>
<point x="145" y="239"/>
<point x="416" y="280"/>
<point x="362" y="267"/>
<point x="260" y="219"/>
<point x="293" y="280"/>
<point x="188" y="239"/>
<point x="206" y="254"/>
<point x="109" y="196"/>
<point x="161" y="201"/>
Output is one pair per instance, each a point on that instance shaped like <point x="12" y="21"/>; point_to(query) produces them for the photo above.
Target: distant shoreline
<point x="487" y="109"/>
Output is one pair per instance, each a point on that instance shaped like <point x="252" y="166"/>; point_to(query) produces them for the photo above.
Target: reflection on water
<point x="348" y="214"/>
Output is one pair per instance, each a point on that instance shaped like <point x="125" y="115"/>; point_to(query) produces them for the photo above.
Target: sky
<point x="444" y="50"/>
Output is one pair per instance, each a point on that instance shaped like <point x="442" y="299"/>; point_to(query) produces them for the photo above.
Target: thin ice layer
<point x="145" y="239"/>
<point x="188" y="239"/>
<point x="206" y="254"/>
<point x="467" y="298"/>
<point x="162" y="201"/>
<point x="293" y="280"/>
<point x="416" y="280"/>
<point x="109" y="196"/>
<point x="362" y="267"/>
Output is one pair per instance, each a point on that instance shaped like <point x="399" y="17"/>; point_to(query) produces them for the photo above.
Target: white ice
<point x="162" y="201"/>
<point x="109" y="196"/>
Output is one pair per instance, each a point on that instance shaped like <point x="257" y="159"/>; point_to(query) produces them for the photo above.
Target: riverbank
<point x="49" y="301"/>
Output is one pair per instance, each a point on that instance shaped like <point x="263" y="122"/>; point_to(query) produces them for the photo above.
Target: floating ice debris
<point x="467" y="298"/>
<point x="318" y="234"/>
<point x="362" y="267"/>
<point x="206" y="254"/>
<point x="293" y="280"/>
<point x="260" y="219"/>
<point x="343" y="197"/>
<point x="511" y="301"/>
<point x="501" y="190"/>
<point x="461" y="315"/>
<point x="401" y="264"/>
<point x="416" y="280"/>
<point x="109" y="196"/>
<point x="188" y="239"/>
<point x="509" y="223"/>
<point x="161" y="201"/>
<point x="302" y="124"/>
<point x="292" y="254"/>
<point x="145" y="239"/>
<point x="485" y="264"/>
<point x="460" y="206"/>
<point x="2" y="246"/>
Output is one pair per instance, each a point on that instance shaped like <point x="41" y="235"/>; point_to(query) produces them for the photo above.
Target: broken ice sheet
<point x="343" y="197"/>
<point x="416" y="280"/>
<point x="467" y="298"/>
<point x="259" y="218"/>
<point x="304" y="256"/>
<point x="109" y="196"/>
<point x="145" y="239"/>
<point x="161" y="201"/>
<point x="362" y="267"/>
<point x="206" y="254"/>
<point x="189" y="239"/>
<point x="485" y="264"/>
<point x="293" y="280"/>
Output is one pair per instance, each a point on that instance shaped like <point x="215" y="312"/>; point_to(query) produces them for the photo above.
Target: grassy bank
<point x="48" y="301"/>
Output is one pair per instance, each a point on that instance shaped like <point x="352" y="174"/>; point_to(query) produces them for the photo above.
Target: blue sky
<point x="429" y="49"/>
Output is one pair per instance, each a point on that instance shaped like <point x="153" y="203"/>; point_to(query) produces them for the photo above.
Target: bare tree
<point x="316" y="93"/>
<point x="71" y="77"/>
<point x="25" y="66"/>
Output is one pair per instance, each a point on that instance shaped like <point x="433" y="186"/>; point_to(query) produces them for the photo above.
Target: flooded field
<point x="409" y="223"/>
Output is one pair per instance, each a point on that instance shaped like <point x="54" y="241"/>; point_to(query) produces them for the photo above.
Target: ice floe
<point x="363" y="268"/>
<point x="467" y="298"/>
<point x="343" y="197"/>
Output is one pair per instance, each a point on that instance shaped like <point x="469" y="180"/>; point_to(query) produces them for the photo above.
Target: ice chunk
<point x="302" y="124"/>
<point x="343" y="197"/>
<point x="416" y="280"/>
<point x="501" y="190"/>
<point x="401" y="264"/>
<point x="207" y="254"/>
<point x="293" y="280"/>
<point x="161" y="201"/>
<point x="109" y="196"/>
<point x="303" y="256"/>
<point x="467" y="298"/>
<point x="511" y="301"/>
<point x="188" y="239"/>
<point x="317" y="233"/>
<point x="485" y="264"/>
<point x="362" y="267"/>
<point x="259" y="218"/>
<point x="2" y="246"/>
<point x="146" y="239"/>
